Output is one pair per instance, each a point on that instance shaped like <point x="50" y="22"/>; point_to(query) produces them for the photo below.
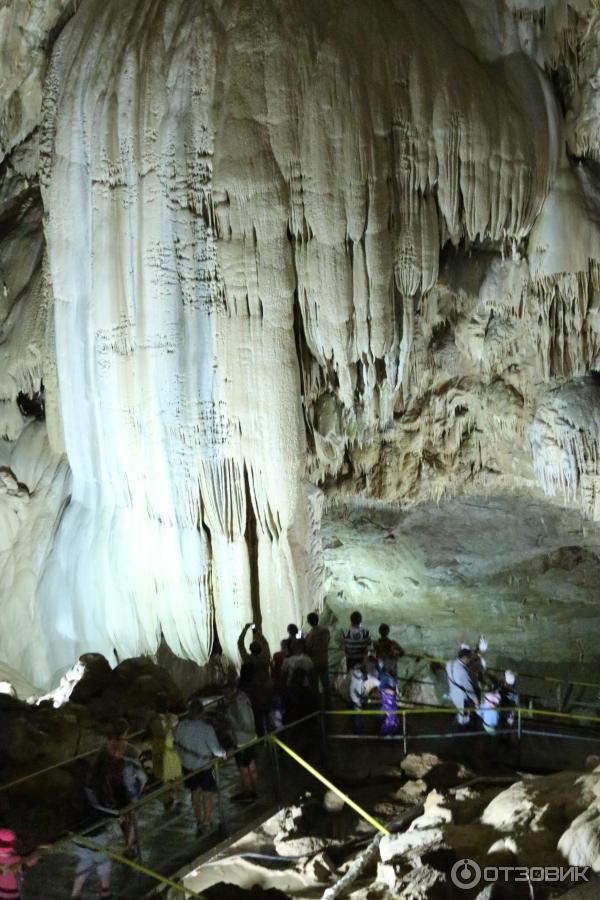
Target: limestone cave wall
<point x="262" y="261"/>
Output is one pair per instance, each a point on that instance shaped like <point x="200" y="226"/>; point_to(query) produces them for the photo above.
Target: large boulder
<point x="435" y="772"/>
<point x="580" y="843"/>
<point x="421" y="883"/>
<point x="131" y="693"/>
<point x="542" y="803"/>
<point x="95" y="679"/>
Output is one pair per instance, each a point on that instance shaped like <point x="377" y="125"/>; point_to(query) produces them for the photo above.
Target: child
<point x="389" y="704"/>
<point x="488" y="711"/>
<point x="11" y="865"/>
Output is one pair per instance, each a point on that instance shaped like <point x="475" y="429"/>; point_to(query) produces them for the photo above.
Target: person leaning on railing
<point x="197" y="744"/>
<point x="461" y="689"/>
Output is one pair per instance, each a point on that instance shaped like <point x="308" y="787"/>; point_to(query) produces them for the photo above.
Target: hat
<point x="483" y="644"/>
<point x="7" y="837"/>
<point x="464" y="646"/>
<point x="509" y="677"/>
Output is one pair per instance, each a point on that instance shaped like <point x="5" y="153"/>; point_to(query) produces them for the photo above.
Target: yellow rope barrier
<point x="451" y="711"/>
<point x="363" y="813"/>
<point x="551" y="678"/>
<point x="554" y="680"/>
<point x="91" y="845"/>
<point x="560" y="715"/>
<point x="384" y="712"/>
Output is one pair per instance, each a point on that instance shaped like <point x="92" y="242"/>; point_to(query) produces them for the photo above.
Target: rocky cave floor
<point x="444" y="810"/>
<point x="466" y="802"/>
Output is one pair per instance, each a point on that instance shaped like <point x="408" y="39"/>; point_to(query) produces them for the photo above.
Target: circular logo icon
<point x="465" y="874"/>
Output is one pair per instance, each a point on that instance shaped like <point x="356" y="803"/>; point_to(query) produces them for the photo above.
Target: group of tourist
<point x="297" y="679"/>
<point x="270" y="691"/>
<point x="181" y="748"/>
<point x="285" y="687"/>
<point x="471" y="687"/>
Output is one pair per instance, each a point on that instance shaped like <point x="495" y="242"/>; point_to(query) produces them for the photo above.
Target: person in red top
<point x="11" y="865"/>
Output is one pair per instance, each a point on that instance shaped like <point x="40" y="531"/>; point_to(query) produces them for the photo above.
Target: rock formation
<point x="265" y="263"/>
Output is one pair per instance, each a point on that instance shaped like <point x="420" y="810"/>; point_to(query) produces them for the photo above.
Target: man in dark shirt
<point x="256" y="666"/>
<point x="317" y="647"/>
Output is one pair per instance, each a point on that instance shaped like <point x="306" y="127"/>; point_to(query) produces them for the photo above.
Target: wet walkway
<point x="167" y="838"/>
<point x="168" y="841"/>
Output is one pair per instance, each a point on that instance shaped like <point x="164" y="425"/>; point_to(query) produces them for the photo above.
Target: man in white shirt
<point x="197" y="744"/>
<point x="461" y="689"/>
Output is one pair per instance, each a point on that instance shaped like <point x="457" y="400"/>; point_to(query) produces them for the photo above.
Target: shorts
<point x="244" y="757"/>
<point x="203" y="781"/>
<point x="89" y="860"/>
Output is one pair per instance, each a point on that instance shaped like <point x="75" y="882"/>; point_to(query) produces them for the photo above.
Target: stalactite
<point x="251" y="213"/>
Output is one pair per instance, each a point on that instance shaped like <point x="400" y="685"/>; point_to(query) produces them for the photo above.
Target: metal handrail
<point x="175" y="783"/>
<point x="451" y="710"/>
<point x="273" y="739"/>
<point x="550" y="678"/>
<point x="410" y="654"/>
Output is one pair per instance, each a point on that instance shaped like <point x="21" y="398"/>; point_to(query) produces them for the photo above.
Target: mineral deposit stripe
<point x="365" y="815"/>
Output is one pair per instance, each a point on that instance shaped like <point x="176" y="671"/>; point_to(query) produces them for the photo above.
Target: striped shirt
<point x="356" y="643"/>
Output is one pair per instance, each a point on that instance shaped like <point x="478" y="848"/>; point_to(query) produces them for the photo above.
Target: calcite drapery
<point x="249" y="210"/>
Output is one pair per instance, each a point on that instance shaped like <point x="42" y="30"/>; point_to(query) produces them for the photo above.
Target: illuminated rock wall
<point x="330" y="249"/>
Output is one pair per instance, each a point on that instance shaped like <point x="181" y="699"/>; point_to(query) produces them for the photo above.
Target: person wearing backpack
<point x="11" y="865"/>
<point x="128" y="781"/>
<point x="100" y="804"/>
<point x="197" y="745"/>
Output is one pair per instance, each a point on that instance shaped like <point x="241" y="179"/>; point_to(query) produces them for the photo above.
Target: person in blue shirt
<point x="197" y="744"/>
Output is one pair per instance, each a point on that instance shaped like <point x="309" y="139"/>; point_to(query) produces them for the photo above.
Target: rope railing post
<point x="272" y="749"/>
<point x="519" y="736"/>
<point x="220" y="801"/>
<point x="404" y="734"/>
